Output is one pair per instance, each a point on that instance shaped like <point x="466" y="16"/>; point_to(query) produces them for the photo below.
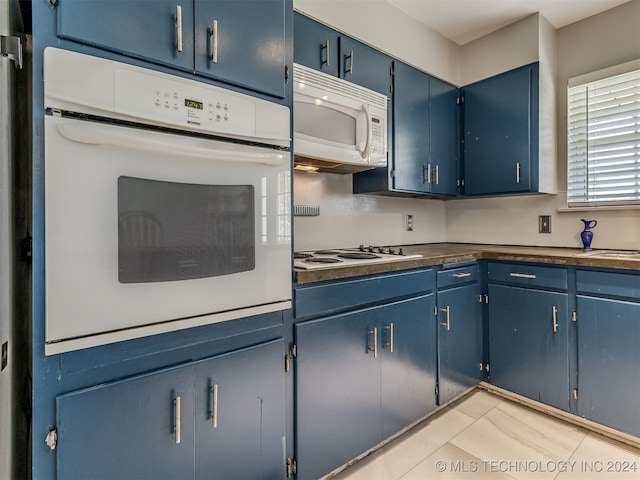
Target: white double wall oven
<point x="167" y="203"/>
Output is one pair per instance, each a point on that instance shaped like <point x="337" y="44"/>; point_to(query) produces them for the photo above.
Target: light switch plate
<point x="544" y="224"/>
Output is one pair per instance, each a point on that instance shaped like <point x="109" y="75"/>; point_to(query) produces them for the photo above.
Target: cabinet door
<point x="315" y="45"/>
<point x="444" y="137"/>
<point x="411" y="129"/>
<point x="459" y="340"/>
<point x="239" y="414"/>
<point x="337" y="392"/>
<point x="529" y="352"/>
<point x="137" y="28"/>
<point x="242" y="42"/>
<point x="407" y="346"/>
<point x="500" y="132"/>
<point x="128" y="429"/>
<point x="609" y="362"/>
<point x="365" y="66"/>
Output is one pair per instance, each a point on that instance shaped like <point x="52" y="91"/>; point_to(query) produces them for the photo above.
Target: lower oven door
<point x="148" y="232"/>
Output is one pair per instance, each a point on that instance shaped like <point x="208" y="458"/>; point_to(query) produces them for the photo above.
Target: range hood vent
<point x="309" y="164"/>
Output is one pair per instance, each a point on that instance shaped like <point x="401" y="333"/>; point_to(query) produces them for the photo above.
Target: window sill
<point x="598" y="209"/>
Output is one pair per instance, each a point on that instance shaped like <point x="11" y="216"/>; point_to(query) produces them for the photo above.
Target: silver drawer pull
<point x="389" y="328"/>
<point x="326" y="51"/>
<point x="374" y="334"/>
<point x="555" y="319"/>
<point x="522" y="275"/>
<point x="447" y="324"/>
<point x="461" y="275"/>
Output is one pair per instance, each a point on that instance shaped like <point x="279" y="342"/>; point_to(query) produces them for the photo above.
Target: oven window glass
<point x="178" y="231"/>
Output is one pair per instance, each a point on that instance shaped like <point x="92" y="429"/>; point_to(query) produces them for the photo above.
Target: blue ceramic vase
<point x="587" y="235"/>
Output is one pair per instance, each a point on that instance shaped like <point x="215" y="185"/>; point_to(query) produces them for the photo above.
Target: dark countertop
<point x="443" y="253"/>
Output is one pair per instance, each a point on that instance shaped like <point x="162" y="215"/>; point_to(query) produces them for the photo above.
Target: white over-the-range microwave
<point x="339" y="126"/>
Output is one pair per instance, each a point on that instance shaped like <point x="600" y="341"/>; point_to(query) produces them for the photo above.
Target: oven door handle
<point x="179" y="145"/>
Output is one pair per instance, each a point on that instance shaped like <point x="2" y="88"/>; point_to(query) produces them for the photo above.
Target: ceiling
<point x="462" y="21"/>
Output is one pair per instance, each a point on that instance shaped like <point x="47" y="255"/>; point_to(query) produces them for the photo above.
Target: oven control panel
<point x="80" y="83"/>
<point x="172" y="102"/>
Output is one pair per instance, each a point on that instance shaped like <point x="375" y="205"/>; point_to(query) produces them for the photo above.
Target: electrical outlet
<point x="409" y="223"/>
<point x="544" y="224"/>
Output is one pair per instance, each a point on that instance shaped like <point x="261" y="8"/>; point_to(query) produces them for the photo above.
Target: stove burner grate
<point x="326" y="252"/>
<point x="358" y="255"/>
<point x="322" y="260"/>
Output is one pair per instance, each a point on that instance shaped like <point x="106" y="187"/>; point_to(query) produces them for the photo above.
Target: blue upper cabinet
<point x="444" y="135"/>
<point x="365" y="66"/>
<point x="411" y="171"/>
<point x="322" y="48"/>
<point x="315" y="45"/>
<point x="147" y="30"/>
<point x="501" y="133"/>
<point x="242" y="42"/>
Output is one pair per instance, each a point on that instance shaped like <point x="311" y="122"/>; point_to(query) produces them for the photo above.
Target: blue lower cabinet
<point x="220" y="418"/>
<point x="136" y="428"/>
<point x="528" y="343"/>
<point x="239" y="415"/>
<point x="609" y="362"/>
<point x="352" y="390"/>
<point x="459" y="340"/>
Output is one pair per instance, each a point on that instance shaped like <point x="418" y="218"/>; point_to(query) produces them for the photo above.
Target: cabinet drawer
<point x="315" y="300"/>
<point x="609" y="284"/>
<point x="528" y="274"/>
<point x="458" y="276"/>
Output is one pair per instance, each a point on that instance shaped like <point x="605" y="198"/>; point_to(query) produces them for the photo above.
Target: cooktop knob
<point x="400" y="252"/>
<point x="391" y="251"/>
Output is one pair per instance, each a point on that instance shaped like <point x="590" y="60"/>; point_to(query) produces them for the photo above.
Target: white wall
<point x="609" y="38"/>
<point x="603" y="40"/>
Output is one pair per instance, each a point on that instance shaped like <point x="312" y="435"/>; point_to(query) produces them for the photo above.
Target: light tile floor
<point x="484" y="436"/>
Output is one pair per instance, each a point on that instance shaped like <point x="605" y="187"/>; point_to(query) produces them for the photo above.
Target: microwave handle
<point x="365" y="151"/>
<point x="102" y="135"/>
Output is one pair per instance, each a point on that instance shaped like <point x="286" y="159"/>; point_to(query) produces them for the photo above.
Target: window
<point x="603" y="130"/>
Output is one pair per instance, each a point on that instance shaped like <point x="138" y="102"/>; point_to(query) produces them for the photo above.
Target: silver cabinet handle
<point x="429" y="173"/>
<point x="179" y="28"/>
<point x="326" y="53"/>
<point x="522" y="275"/>
<point x="437" y="175"/>
<point x="554" y="311"/>
<point x="374" y="333"/>
<point x="517" y="172"/>
<point x="176" y="418"/>
<point x="447" y="324"/>
<point x="214" y="41"/>
<point x="389" y="344"/>
<point x="461" y="275"/>
<point x="350" y="57"/>
<point x="214" y="405"/>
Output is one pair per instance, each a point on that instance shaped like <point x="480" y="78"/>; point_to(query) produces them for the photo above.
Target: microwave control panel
<point x="377" y="148"/>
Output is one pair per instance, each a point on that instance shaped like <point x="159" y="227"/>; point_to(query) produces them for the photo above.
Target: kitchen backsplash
<point x="348" y="220"/>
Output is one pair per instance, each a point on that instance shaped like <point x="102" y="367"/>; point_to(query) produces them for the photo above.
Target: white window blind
<point x="604" y="141"/>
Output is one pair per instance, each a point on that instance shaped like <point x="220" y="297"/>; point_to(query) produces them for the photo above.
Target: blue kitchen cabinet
<point x="460" y="331"/>
<point x="608" y="323"/>
<point x="250" y="48"/>
<point x="249" y="36"/>
<point x="411" y="120"/>
<point x="142" y="29"/>
<point x="361" y="376"/>
<point x="315" y="45"/>
<point x="221" y="417"/>
<point x="444" y="137"/>
<point x="322" y="48"/>
<point x="140" y="427"/>
<point x="501" y="133"/>
<point x="424" y="145"/>
<point x="528" y="343"/>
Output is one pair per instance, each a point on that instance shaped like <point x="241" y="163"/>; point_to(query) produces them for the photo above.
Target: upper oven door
<point x="146" y="228"/>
